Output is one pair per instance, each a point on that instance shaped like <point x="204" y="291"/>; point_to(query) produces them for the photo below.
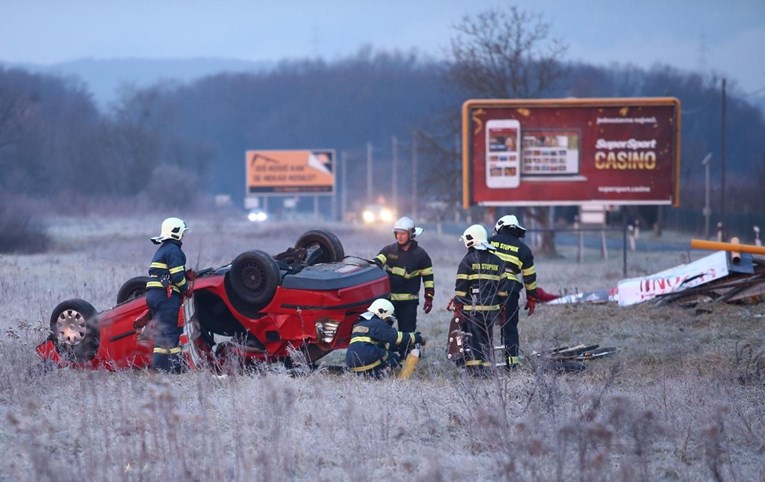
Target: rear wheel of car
<point x="73" y="323"/>
<point x="321" y="247"/>
<point x="254" y="277"/>
<point x="132" y="288"/>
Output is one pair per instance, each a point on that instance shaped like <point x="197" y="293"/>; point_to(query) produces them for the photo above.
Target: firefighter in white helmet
<point x="520" y="260"/>
<point x="375" y="344"/>
<point x="164" y="291"/>
<point x="408" y="266"/>
<point x="480" y="291"/>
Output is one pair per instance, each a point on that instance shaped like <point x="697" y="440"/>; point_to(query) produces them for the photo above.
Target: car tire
<point x="254" y="277"/>
<point x="321" y="246"/>
<point x="74" y="327"/>
<point x="132" y="288"/>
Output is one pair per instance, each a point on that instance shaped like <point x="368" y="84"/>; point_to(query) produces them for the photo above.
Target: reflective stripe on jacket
<point x="168" y="267"/>
<point x="405" y="269"/>
<point x="519" y="256"/>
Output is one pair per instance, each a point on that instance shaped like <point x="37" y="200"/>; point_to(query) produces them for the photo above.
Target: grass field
<point x="682" y="400"/>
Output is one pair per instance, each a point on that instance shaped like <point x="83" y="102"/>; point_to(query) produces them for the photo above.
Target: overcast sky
<point x="700" y="35"/>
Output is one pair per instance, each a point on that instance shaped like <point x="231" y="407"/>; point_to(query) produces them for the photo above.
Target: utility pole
<point x="414" y="174"/>
<point x="722" y="159"/>
<point x="395" y="173"/>
<point x="706" y="210"/>
<point x="343" y="193"/>
<point x="369" y="172"/>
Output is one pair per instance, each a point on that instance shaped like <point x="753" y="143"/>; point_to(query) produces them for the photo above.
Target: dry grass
<point x="682" y="400"/>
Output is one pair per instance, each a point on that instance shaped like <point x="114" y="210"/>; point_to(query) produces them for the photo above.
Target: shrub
<point x="21" y="230"/>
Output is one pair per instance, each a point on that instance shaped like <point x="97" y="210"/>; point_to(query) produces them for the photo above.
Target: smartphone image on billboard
<point x="503" y="153"/>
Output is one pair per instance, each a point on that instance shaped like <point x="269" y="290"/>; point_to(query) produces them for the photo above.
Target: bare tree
<point x="13" y="108"/>
<point x="508" y="53"/>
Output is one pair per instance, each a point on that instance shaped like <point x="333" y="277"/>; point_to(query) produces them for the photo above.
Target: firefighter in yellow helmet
<point x="165" y="288"/>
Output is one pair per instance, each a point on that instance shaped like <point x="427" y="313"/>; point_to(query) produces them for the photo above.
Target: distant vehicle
<point x="260" y="308"/>
<point x="257" y="216"/>
<point x="378" y="213"/>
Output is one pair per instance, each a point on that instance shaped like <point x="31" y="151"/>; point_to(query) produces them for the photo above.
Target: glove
<point x="428" y="305"/>
<point x="455" y="306"/>
<point x="190" y="274"/>
<point x="418" y="338"/>
<point x="531" y="304"/>
<point x="188" y="293"/>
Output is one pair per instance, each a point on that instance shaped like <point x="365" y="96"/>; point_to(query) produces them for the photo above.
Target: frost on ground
<point x="681" y="400"/>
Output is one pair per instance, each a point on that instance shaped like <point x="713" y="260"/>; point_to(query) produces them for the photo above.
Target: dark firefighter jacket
<point x="168" y="267"/>
<point x="482" y="280"/>
<point x="519" y="257"/>
<point x="405" y="268"/>
<point x="371" y="342"/>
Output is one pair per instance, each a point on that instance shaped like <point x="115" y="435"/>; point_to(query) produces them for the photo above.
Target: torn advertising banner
<point x="679" y="278"/>
<point x="597" y="296"/>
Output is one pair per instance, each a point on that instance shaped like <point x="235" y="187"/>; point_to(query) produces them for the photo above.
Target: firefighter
<point x="506" y="238"/>
<point x="407" y="264"/>
<point x="375" y="344"/>
<point x="164" y="291"/>
<point x="480" y="291"/>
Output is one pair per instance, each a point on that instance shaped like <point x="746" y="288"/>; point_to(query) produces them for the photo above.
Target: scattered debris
<point x="724" y="276"/>
<point x="567" y="358"/>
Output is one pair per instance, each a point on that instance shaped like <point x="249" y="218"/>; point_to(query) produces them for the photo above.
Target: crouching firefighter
<point x="375" y="344"/>
<point x="164" y="291"/>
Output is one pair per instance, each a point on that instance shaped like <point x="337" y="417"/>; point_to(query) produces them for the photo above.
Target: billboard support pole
<point x="624" y="250"/>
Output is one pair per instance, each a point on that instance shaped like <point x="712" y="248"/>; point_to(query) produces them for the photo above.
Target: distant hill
<point x="104" y="78"/>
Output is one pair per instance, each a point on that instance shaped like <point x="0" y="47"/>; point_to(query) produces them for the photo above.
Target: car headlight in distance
<point x="326" y="330"/>
<point x="257" y="216"/>
<point x="368" y="216"/>
<point x="386" y="215"/>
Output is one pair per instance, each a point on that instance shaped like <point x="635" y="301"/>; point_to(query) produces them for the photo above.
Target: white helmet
<point x="475" y="237"/>
<point x="172" y="228"/>
<point x="382" y="308"/>
<point x="508" y="221"/>
<point x="406" y="224"/>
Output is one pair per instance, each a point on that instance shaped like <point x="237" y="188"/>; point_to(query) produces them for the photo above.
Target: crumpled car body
<point x="296" y="306"/>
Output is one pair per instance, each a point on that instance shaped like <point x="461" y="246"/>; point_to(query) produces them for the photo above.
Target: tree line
<point x="172" y="143"/>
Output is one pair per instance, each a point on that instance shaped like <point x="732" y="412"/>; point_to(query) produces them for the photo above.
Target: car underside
<point x="296" y="306"/>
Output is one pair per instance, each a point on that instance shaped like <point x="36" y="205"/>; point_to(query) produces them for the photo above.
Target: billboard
<point x="571" y="151"/>
<point x="290" y="172"/>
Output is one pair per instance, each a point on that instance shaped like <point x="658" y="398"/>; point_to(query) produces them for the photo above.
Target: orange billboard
<point x="290" y="172"/>
<point x="571" y="151"/>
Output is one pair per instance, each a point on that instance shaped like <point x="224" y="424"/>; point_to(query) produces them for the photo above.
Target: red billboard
<point x="571" y="151"/>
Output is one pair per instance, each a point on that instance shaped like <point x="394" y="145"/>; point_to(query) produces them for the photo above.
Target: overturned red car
<point x="298" y="305"/>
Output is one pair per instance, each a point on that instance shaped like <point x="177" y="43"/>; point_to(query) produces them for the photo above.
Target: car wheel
<point x="73" y="324"/>
<point x="321" y="247"/>
<point x="132" y="288"/>
<point x="254" y="277"/>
